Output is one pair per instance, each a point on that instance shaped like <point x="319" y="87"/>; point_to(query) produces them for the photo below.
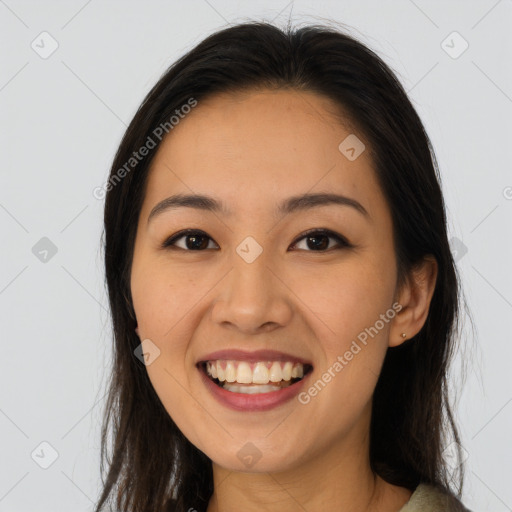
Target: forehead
<point x="249" y="146"/>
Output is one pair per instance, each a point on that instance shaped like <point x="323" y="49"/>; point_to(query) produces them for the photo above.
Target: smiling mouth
<point x="254" y="378"/>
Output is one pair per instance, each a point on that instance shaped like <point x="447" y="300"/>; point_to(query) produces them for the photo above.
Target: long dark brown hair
<point x="150" y="461"/>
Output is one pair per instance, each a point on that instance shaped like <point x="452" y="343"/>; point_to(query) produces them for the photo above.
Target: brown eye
<point x="317" y="240"/>
<point x="194" y="240"/>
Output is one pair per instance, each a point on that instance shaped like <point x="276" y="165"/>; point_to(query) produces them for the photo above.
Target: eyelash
<point x="169" y="242"/>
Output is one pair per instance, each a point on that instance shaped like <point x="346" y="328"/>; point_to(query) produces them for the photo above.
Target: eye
<point x="196" y="238"/>
<point x="319" y="239"/>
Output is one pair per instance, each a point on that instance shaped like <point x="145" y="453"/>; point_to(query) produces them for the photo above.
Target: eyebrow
<point x="290" y="205"/>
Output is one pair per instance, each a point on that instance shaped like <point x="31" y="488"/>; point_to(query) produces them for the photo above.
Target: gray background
<point x="62" y="119"/>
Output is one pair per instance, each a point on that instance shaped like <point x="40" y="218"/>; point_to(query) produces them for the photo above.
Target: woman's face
<point x="252" y="280"/>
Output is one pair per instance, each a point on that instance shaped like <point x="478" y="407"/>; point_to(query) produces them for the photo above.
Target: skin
<point x="251" y="151"/>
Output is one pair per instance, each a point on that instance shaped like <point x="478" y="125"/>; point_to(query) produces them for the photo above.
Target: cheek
<point x="161" y="297"/>
<point x="344" y="304"/>
<point x="164" y="301"/>
<point x="170" y="382"/>
<point x="343" y="300"/>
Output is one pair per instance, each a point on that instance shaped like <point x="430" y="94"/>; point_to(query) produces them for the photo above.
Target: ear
<point x="414" y="297"/>
<point x="137" y="331"/>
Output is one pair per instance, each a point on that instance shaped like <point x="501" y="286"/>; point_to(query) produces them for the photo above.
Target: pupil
<point x="319" y="245"/>
<point x="195" y="245"/>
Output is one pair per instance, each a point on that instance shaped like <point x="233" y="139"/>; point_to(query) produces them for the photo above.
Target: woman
<point x="283" y="295"/>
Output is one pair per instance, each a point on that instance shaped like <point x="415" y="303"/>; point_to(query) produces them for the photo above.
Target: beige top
<point x="427" y="498"/>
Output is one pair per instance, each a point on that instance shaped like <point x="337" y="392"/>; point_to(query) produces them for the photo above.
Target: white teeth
<point x="251" y="390"/>
<point x="220" y="373"/>
<point x="262" y="372"/>
<point x="276" y="374"/>
<point x="287" y="370"/>
<point x="244" y="373"/>
<point x="297" y="371"/>
<point x="231" y="374"/>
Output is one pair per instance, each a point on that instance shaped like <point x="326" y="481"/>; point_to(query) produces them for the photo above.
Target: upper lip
<point x="252" y="356"/>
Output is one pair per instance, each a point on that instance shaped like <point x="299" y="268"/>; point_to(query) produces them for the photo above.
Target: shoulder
<point x="429" y="498"/>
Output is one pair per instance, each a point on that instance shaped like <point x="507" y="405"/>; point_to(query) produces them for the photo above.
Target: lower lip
<point x="255" y="402"/>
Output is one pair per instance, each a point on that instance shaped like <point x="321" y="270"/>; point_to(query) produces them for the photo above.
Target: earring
<point x="404" y="335"/>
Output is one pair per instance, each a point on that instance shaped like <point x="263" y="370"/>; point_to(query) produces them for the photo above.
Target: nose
<point x="252" y="298"/>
